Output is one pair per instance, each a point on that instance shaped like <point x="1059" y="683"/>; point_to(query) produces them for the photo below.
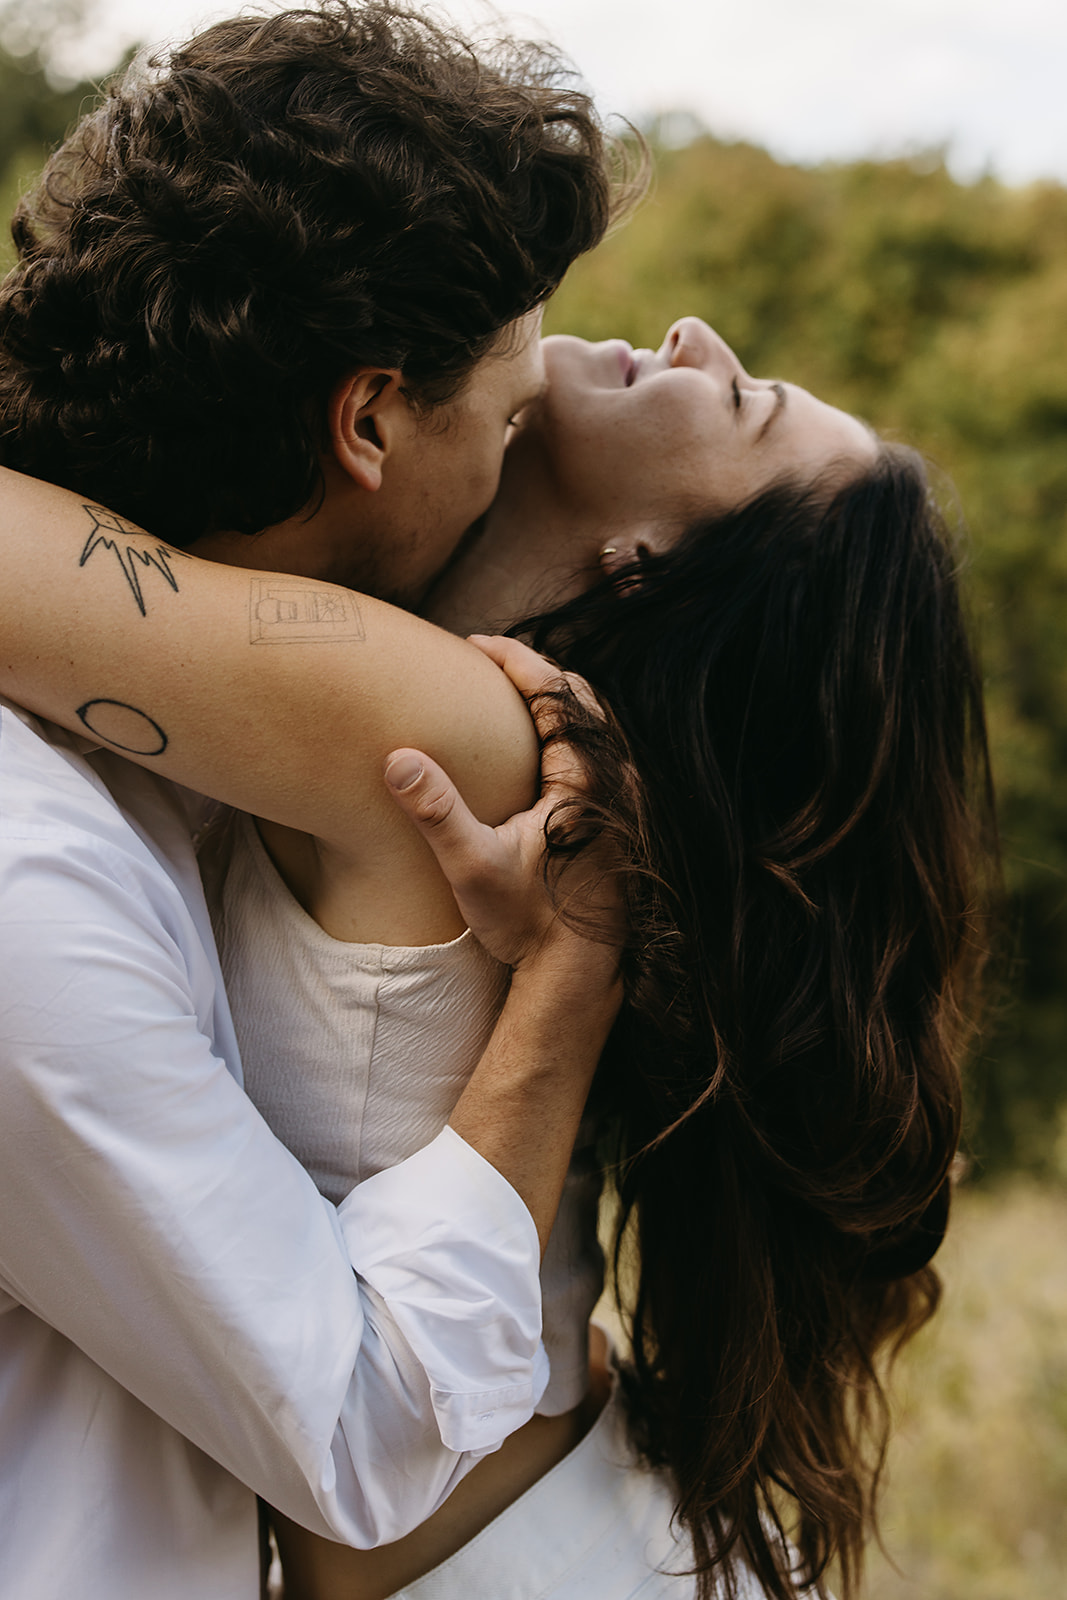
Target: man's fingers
<point x="462" y="844"/>
<point x="428" y="796"/>
<point x="420" y="787"/>
<point x="533" y="674"/>
<point x="563" y="774"/>
<point x="529" y="672"/>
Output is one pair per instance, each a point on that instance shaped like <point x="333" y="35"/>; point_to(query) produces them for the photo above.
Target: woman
<point x="763" y="596"/>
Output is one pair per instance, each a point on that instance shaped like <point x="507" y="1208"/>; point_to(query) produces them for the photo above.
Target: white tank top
<point x="355" y="1055"/>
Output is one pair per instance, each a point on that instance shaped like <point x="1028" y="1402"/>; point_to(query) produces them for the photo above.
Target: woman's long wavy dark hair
<point x="814" y="856"/>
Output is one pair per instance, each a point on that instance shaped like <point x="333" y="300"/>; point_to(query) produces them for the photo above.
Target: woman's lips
<point x="626" y="361"/>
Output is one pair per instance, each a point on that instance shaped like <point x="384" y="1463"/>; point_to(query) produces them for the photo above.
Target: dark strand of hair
<point x="795" y="686"/>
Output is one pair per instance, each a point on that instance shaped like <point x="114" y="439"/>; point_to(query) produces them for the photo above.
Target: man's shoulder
<point x="89" y="841"/>
<point x="40" y="767"/>
<point x="59" y="790"/>
<point x="48" y="782"/>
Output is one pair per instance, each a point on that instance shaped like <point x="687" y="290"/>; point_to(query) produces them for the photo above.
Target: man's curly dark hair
<point x="281" y="201"/>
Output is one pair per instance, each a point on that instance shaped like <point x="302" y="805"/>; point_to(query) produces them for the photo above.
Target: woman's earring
<point x="614" y="560"/>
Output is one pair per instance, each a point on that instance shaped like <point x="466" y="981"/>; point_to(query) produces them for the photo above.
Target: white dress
<point x="355" y="1055"/>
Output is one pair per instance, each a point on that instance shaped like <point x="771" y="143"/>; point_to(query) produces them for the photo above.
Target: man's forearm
<point x="522" y="1106"/>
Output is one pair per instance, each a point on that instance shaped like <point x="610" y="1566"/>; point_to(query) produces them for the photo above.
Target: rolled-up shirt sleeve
<point x="409" y="1233"/>
<point x="349" y="1364"/>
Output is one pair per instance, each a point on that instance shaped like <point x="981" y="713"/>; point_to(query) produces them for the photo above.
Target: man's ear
<point x="364" y="412"/>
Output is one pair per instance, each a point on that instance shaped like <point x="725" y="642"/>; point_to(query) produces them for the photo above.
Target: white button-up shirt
<point x="180" y="1321"/>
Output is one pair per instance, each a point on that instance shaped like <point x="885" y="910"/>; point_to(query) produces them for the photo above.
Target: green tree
<point x="937" y="310"/>
<point x="38" y="105"/>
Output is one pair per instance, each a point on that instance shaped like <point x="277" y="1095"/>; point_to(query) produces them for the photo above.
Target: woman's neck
<point x="526" y="555"/>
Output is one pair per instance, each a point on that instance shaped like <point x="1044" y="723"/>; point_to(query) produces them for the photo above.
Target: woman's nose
<point x="691" y="343"/>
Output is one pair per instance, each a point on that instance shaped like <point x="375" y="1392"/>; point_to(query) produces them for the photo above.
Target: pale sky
<point x="809" y="78"/>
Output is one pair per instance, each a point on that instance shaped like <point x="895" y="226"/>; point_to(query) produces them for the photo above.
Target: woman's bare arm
<point x="285" y="697"/>
<point x="276" y="694"/>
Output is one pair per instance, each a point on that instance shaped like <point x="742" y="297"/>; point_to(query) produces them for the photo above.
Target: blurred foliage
<point x="936" y="310"/>
<point x="977" y="1476"/>
<point x="38" y="104"/>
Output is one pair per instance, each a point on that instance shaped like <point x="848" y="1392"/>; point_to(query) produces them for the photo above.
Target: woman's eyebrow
<point x="779" y="407"/>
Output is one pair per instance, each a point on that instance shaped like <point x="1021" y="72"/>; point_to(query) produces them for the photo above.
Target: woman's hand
<point x="498" y="874"/>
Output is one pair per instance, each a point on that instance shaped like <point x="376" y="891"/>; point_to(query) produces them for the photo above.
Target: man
<point x="289" y="284"/>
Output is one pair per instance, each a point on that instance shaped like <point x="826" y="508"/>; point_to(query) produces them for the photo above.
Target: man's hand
<point x="522" y="1105"/>
<point x="497" y="874"/>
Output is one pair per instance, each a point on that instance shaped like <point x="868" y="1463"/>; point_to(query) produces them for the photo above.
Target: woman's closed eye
<point x="736" y="389"/>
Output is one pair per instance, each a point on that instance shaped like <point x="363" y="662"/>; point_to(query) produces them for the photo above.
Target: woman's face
<point x="627" y="449"/>
<point x="680" y="432"/>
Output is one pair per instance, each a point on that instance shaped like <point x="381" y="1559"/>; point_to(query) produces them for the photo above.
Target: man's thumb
<point x="428" y="796"/>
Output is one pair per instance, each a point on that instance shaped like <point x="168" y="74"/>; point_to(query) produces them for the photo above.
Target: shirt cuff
<point x="446" y="1242"/>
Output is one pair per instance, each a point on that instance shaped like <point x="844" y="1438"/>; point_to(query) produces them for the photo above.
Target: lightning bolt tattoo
<point x="111" y="533"/>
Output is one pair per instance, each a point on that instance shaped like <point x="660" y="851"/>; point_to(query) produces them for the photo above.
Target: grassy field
<point x="976" y="1507"/>
<point x="976" y="1502"/>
